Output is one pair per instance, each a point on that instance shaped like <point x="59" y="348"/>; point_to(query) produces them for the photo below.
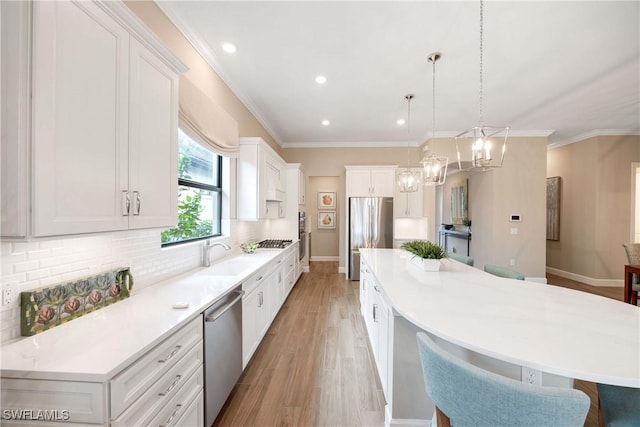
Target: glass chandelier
<point x="408" y="181"/>
<point x="434" y="168"/>
<point x="486" y="144"/>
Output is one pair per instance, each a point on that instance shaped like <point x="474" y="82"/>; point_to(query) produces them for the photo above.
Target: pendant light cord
<point x="408" y="98"/>
<point x="481" y="52"/>
<point x="433" y="129"/>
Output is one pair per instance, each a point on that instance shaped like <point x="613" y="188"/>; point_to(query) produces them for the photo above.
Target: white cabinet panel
<point x="261" y="181"/>
<point x="100" y="126"/>
<point x="15" y="89"/>
<point x="383" y="182"/>
<point x="370" y="181"/>
<point x="80" y="119"/>
<point x="153" y="146"/>
<point x="408" y="205"/>
<point x="359" y="183"/>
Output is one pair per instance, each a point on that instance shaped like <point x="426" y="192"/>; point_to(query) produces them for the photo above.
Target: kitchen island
<point x="529" y="331"/>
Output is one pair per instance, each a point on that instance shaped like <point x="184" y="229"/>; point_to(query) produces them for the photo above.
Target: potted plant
<point x="427" y="255"/>
<point x="467" y="223"/>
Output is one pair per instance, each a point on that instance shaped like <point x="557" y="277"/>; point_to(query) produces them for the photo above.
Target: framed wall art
<point x="326" y="200"/>
<point x="553" y="208"/>
<point x="327" y="220"/>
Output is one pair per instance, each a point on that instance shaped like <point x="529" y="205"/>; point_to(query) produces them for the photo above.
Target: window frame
<point x="202" y="186"/>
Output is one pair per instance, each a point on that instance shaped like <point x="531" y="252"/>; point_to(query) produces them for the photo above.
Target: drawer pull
<point x="179" y="405"/>
<point x="258" y="279"/>
<point x="173" y="353"/>
<point x="171" y="387"/>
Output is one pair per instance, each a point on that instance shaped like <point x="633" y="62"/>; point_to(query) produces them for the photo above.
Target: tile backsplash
<point x="26" y="265"/>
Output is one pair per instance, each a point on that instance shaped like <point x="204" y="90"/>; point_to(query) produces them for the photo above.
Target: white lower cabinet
<point x="265" y="293"/>
<point x="167" y="379"/>
<point x="378" y="320"/>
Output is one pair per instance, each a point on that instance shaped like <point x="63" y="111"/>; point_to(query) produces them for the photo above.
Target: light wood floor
<point x="315" y="368"/>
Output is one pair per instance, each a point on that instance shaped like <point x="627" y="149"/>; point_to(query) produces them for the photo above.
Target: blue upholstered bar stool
<point x="503" y="272"/>
<point x="466" y="395"/>
<point x="461" y="258"/>
<point x="619" y="406"/>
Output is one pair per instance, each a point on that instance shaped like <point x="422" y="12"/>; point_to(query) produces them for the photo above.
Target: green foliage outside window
<point x="190" y="225"/>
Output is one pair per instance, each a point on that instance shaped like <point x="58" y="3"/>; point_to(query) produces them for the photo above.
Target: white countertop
<point x="97" y="346"/>
<point x="552" y="329"/>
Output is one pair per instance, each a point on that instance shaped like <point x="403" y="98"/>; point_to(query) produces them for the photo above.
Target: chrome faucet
<point x="206" y="251"/>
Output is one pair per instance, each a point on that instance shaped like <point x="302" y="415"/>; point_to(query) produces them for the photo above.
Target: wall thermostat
<point x="515" y="218"/>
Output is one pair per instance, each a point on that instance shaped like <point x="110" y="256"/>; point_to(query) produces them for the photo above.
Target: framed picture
<point x="327" y="220"/>
<point x="326" y="200"/>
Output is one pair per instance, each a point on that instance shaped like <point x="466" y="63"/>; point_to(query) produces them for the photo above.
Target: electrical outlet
<point x="512" y="262"/>
<point x="7" y="296"/>
<point x="531" y="376"/>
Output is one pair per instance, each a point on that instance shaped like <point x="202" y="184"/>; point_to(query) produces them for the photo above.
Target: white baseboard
<point x="542" y="280"/>
<point x="341" y="270"/>
<point x="305" y="269"/>
<point x="325" y="258"/>
<point x="409" y="422"/>
<point x="584" y="279"/>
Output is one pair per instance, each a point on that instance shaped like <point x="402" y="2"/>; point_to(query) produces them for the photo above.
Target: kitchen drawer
<point x="86" y="402"/>
<point x="154" y="399"/>
<point x="254" y="280"/>
<point x="131" y="383"/>
<point x="179" y="405"/>
<point x="193" y="415"/>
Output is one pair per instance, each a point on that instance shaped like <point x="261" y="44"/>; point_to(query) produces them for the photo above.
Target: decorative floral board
<point x="48" y="307"/>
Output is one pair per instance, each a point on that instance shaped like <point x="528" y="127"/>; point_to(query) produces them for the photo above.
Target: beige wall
<point x="200" y="73"/>
<point x="518" y="187"/>
<point x="595" y="211"/>
<point x="324" y="243"/>
<point x="331" y="162"/>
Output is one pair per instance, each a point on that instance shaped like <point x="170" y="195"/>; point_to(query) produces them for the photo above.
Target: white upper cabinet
<point x="370" y="181"/>
<point x="153" y="149"/>
<point x="408" y="205"/>
<point x="103" y="140"/>
<point x="261" y="181"/>
<point x="80" y="119"/>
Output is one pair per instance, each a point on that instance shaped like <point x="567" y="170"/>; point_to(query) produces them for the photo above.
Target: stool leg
<point x="634" y="297"/>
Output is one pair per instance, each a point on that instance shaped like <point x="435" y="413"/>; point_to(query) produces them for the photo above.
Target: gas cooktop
<point x="273" y="243"/>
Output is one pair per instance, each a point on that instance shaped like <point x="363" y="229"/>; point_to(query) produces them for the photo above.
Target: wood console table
<point x="454" y="233"/>
<point x="630" y="296"/>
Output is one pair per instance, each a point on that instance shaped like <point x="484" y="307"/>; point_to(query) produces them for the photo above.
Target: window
<point x="199" y="193"/>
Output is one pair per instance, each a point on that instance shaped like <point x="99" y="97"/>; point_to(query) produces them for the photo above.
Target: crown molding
<point x="353" y="144"/>
<point x="593" y="134"/>
<point x="196" y="41"/>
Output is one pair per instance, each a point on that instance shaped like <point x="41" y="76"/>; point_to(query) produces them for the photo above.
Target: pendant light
<point x="485" y="144"/>
<point x="434" y="168"/>
<point x="408" y="181"/>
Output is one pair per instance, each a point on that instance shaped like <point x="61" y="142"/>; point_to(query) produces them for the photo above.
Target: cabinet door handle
<point x="126" y="203"/>
<point x="258" y="279"/>
<point x="376" y="288"/>
<point x="171" y="387"/>
<point x="173" y="353"/>
<point x="178" y="406"/>
<point x="375" y="307"/>
<point x="138" y="201"/>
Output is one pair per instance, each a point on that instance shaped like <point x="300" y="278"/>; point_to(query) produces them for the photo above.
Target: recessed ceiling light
<point x="229" y="47"/>
<point x="326" y="122"/>
<point x="400" y="122"/>
<point x="321" y="80"/>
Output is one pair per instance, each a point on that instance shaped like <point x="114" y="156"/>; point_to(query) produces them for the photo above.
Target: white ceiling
<point x="564" y="69"/>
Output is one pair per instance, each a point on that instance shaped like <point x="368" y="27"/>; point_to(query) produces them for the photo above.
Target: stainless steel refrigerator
<point x="370" y="226"/>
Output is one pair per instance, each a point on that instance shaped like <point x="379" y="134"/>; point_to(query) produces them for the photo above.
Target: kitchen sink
<point x="230" y="267"/>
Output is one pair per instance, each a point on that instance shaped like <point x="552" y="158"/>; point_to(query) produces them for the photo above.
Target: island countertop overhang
<point x="552" y="329"/>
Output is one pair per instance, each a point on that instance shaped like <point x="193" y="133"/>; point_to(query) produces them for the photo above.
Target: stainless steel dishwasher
<point x="222" y="351"/>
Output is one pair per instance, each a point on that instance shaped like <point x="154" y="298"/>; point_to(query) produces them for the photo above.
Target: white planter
<point x="425" y="264"/>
